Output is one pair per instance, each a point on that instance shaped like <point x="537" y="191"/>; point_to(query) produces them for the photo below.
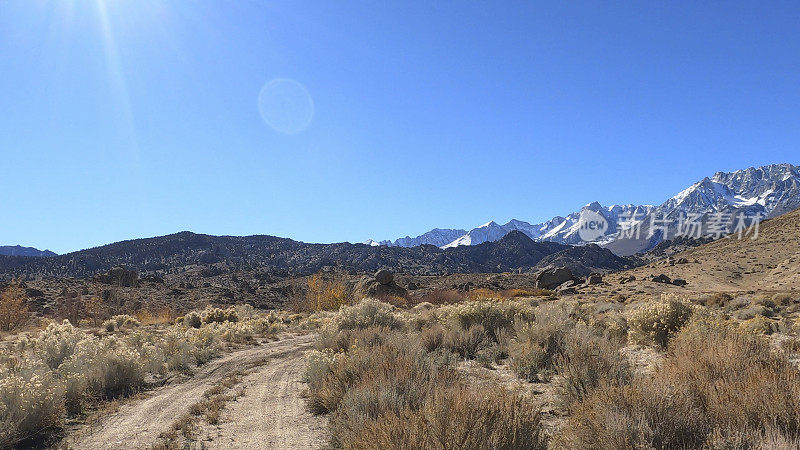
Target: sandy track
<point x="137" y="425"/>
<point x="271" y="413"/>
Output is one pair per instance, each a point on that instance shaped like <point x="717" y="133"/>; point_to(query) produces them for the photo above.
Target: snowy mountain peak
<point x="769" y="190"/>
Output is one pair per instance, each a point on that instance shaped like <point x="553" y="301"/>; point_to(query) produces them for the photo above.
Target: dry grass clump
<point x="718" y="388"/>
<point x="656" y="322"/>
<point x="456" y="417"/>
<point x="391" y="393"/>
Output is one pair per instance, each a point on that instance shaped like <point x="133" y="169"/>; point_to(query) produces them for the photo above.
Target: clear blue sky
<point x="124" y="118"/>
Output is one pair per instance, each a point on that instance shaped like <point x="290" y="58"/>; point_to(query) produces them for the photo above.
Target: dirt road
<point x="269" y="415"/>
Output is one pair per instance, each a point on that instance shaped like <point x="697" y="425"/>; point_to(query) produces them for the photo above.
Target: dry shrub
<point x="718" y="388"/>
<point x="31" y="404"/>
<point x="534" y="348"/>
<point x="343" y="372"/>
<point x="587" y="361"/>
<point x="331" y="338"/>
<point x="531" y="292"/>
<point x="492" y="316"/>
<point x="443" y="297"/>
<point x="454" y="418"/>
<point x="432" y="338"/>
<point x="323" y="294"/>
<point x="656" y="322"/>
<point x="719" y="299"/>
<point x="759" y="325"/>
<point x="466" y="343"/>
<point x="395" y="395"/>
<point x="160" y="317"/>
<point x="784" y="299"/>
<point x="368" y="313"/>
<point x="218" y="315"/>
<point x="485" y="294"/>
<point x="120" y="322"/>
<point x="193" y="320"/>
<point x="13" y="307"/>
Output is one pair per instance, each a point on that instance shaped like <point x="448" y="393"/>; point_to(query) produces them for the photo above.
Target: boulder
<point x="627" y="279"/>
<point x="554" y="277"/>
<point x="594" y="278"/>
<point x="412" y="286"/>
<point x="660" y="279"/>
<point x="384" y="277"/>
<point x="679" y="282"/>
<point x="370" y="287"/>
<point x="682" y="261"/>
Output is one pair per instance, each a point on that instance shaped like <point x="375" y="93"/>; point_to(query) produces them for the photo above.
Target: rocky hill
<point x="182" y="251"/>
<point x="18" y="250"/>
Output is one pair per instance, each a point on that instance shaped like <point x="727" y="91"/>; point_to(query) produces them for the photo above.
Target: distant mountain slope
<point x="769" y="263"/>
<point x="17" y="250"/>
<point x="176" y="252"/>
<point x="769" y="190"/>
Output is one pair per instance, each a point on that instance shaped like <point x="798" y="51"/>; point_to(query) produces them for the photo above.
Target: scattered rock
<point x="552" y="278"/>
<point x="627" y="279"/>
<point x="660" y="279"/>
<point x="679" y="282"/>
<point x="682" y="261"/>
<point x="412" y="286"/>
<point x="384" y="277"/>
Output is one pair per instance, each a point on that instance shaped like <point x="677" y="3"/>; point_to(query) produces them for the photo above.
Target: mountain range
<point x="174" y="253"/>
<point x="767" y="191"/>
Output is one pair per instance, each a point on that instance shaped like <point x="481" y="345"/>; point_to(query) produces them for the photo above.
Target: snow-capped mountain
<point x="765" y="192"/>
<point x="437" y="236"/>
<point x="769" y="191"/>
<point x="563" y="230"/>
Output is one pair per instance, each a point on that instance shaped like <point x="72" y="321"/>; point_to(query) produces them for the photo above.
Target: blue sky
<point x="122" y="119"/>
